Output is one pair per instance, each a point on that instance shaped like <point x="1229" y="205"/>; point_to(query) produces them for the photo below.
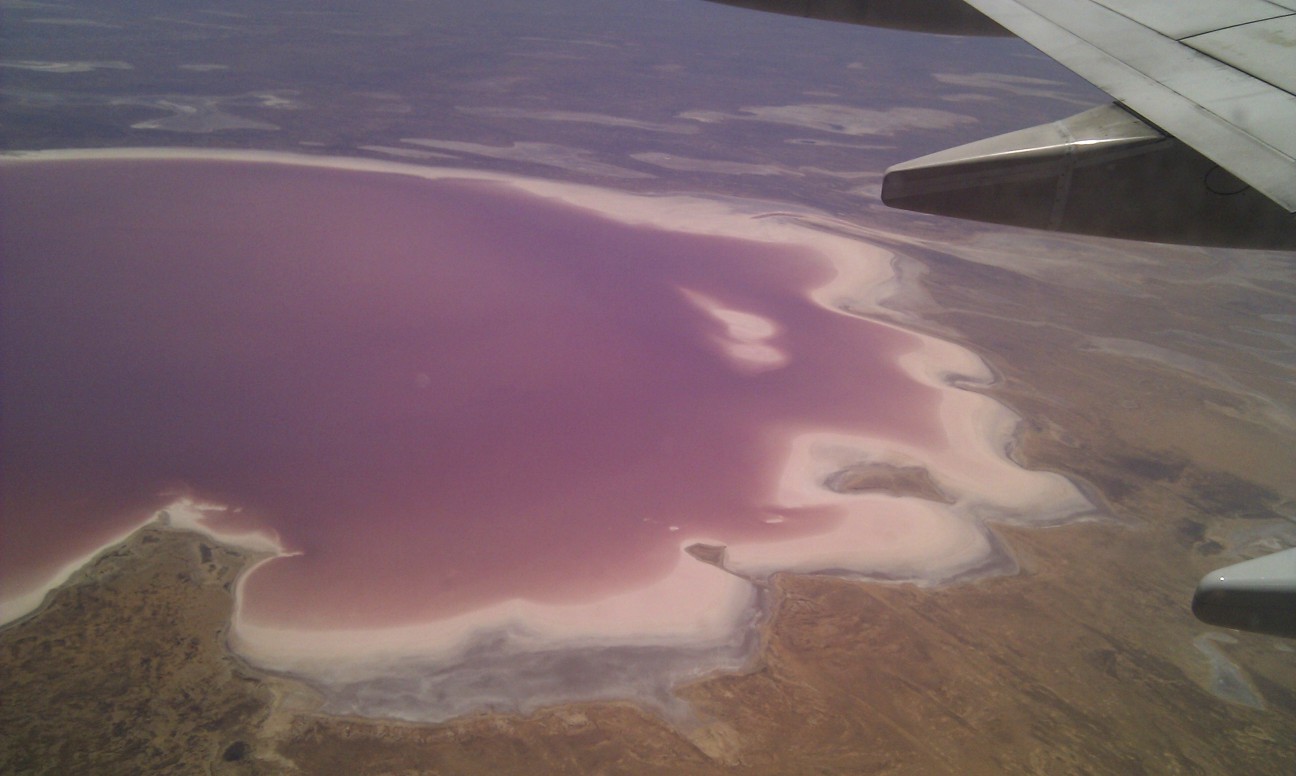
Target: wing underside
<point x="1200" y="146"/>
<point x="1215" y="77"/>
<point x="1217" y="74"/>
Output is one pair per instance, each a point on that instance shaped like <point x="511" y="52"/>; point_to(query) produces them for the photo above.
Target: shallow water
<point x="442" y="394"/>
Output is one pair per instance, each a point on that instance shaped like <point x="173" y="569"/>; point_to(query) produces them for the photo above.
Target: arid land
<point x="1083" y="662"/>
<point x="1086" y="661"/>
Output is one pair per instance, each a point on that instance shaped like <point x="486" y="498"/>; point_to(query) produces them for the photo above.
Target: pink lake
<point x="440" y="393"/>
<point x="439" y="396"/>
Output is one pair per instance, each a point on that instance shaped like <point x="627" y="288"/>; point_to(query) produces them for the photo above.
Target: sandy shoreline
<point x="183" y="515"/>
<point x="1085" y="660"/>
<point x="703" y="612"/>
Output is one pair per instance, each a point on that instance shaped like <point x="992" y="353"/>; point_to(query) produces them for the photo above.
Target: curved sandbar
<point x="480" y="416"/>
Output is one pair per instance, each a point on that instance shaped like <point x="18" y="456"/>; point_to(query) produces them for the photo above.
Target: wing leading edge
<point x="1213" y="79"/>
<point x="1171" y="64"/>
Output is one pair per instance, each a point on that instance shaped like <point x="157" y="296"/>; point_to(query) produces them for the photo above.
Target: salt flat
<point x="468" y="417"/>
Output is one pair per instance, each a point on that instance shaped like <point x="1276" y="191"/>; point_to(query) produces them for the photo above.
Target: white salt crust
<point x="696" y="606"/>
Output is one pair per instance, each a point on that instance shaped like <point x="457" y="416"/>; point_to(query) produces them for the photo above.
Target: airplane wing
<point x="1256" y="595"/>
<point x="1220" y="75"/>
<point x="1199" y="147"/>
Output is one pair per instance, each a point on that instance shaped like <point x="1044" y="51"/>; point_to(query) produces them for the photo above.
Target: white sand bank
<point x="748" y="340"/>
<point x="696" y="606"/>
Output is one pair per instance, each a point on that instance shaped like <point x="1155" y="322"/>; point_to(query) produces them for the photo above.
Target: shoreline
<point x="1091" y="636"/>
<point x="182" y="515"/>
<point x="698" y="606"/>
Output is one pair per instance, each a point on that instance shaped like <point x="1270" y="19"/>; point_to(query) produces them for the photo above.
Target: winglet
<point x="1255" y="595"/>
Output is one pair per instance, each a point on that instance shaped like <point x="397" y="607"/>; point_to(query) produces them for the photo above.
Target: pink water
<point x="442" y="393"/>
